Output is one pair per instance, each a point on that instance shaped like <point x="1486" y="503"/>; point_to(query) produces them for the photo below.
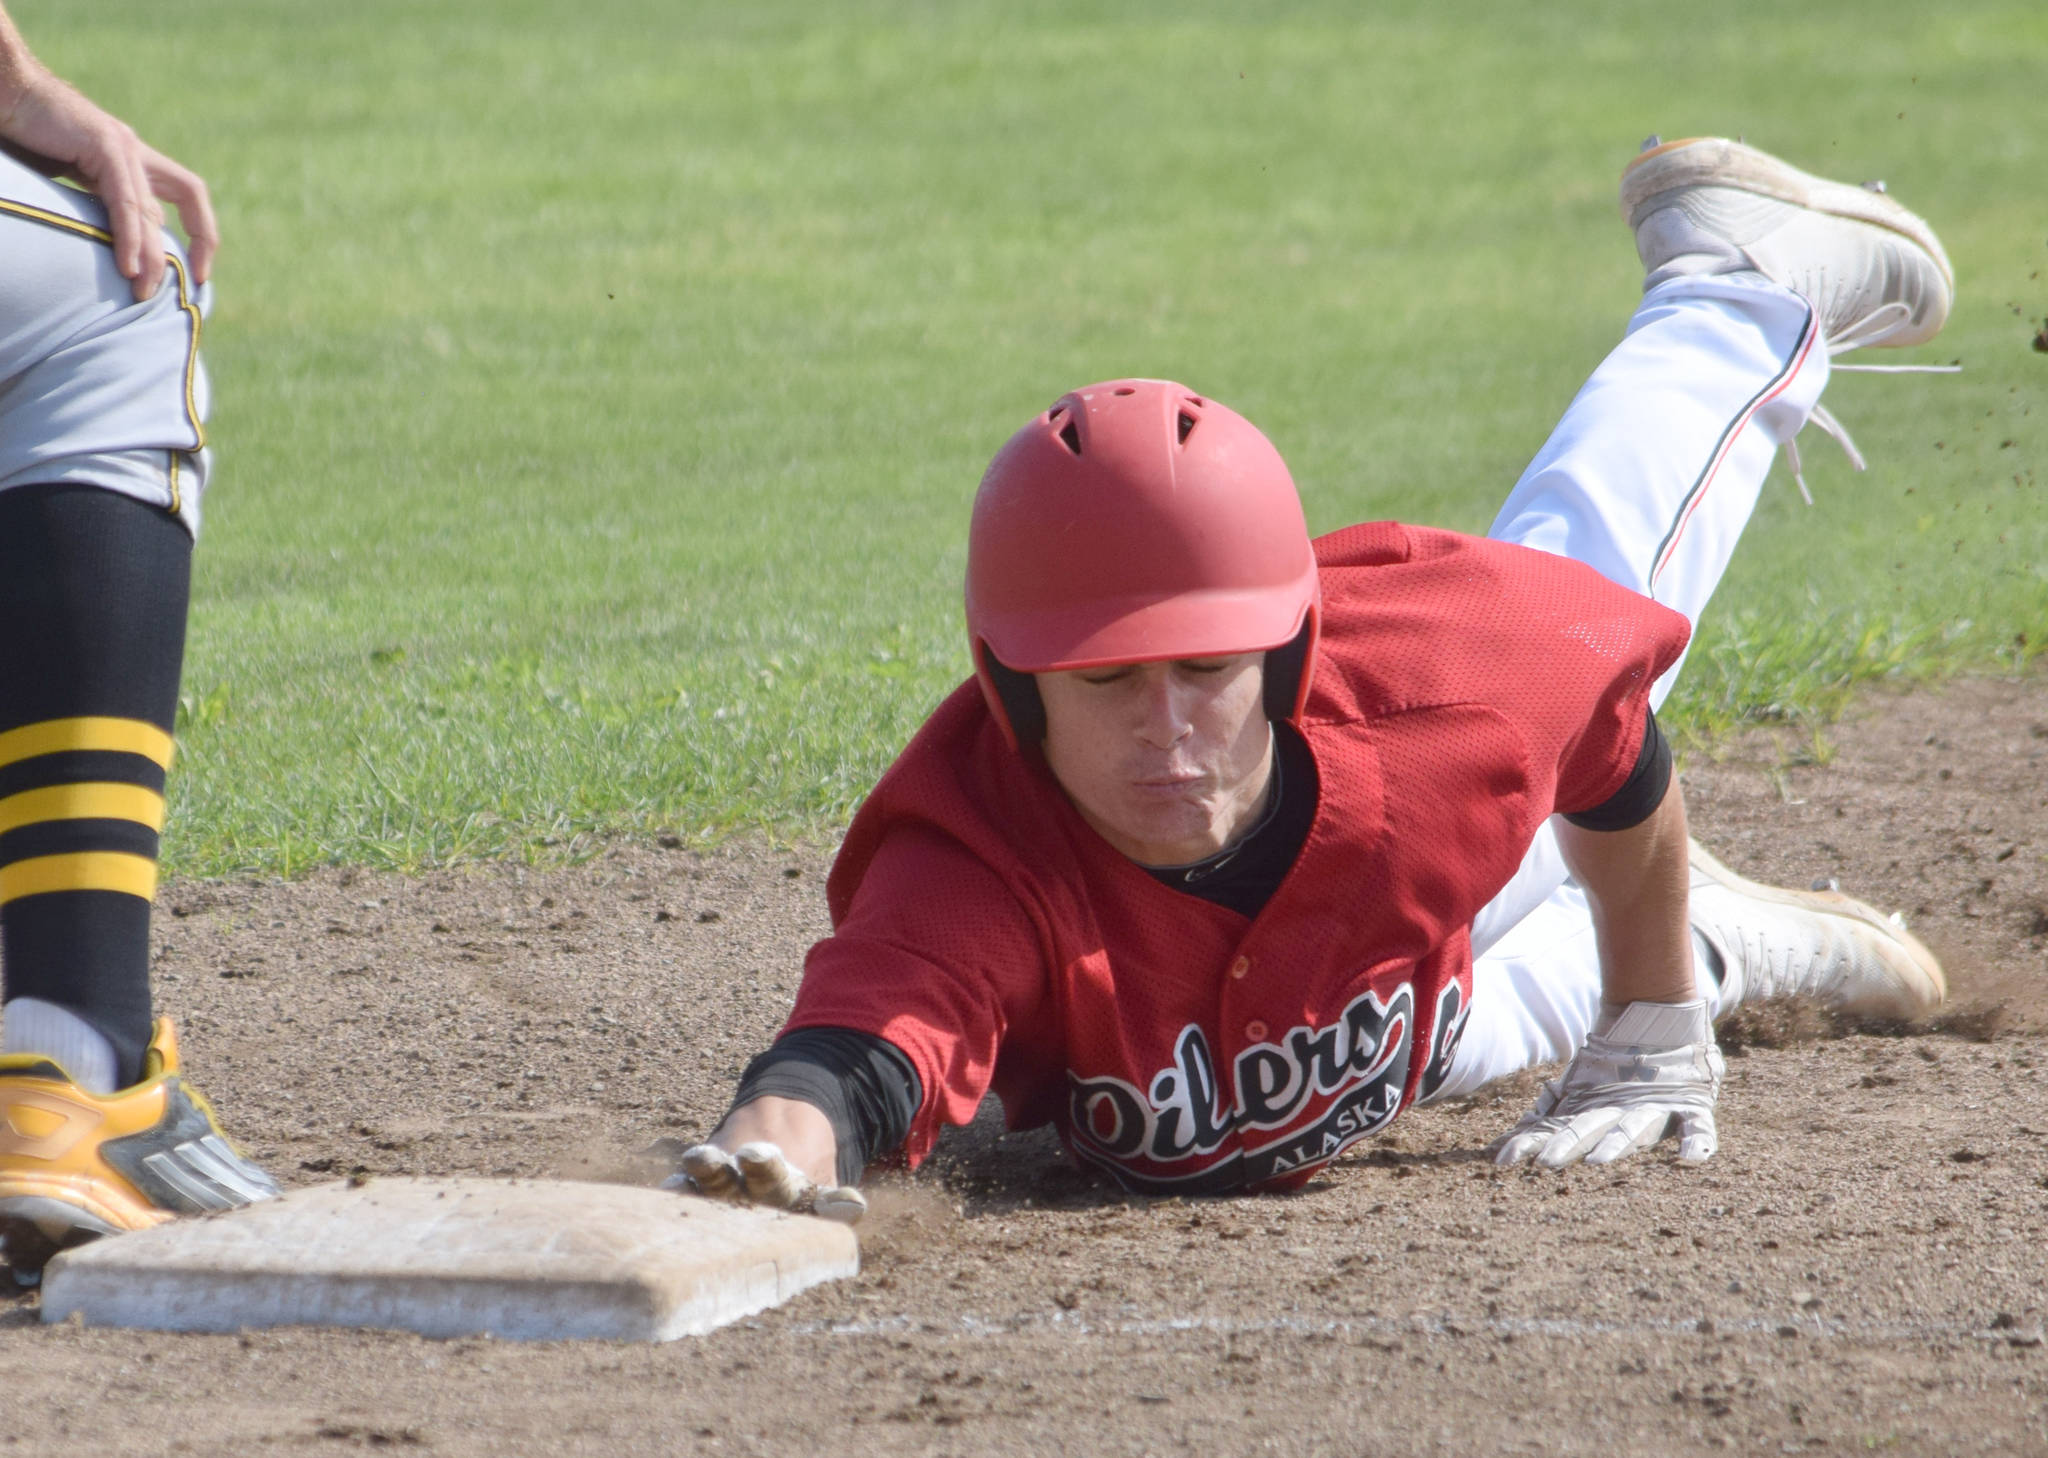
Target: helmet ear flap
<point x="1021" y="702"/>
<point x="1285" y="669"/>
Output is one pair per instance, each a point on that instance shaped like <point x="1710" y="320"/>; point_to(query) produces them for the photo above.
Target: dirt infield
<point x="1859" y="1268"/>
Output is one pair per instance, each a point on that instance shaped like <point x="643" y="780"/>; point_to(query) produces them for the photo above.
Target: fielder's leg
<point x="102" y="463"/>
<point x="98" y="1130"/>
<point x="93" y="587"/>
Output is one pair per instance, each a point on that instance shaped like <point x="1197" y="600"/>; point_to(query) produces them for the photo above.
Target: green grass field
<point x="600" y="390"/>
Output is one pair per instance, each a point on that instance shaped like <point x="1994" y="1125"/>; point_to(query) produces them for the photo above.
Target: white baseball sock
<point x="51" y="1031"/>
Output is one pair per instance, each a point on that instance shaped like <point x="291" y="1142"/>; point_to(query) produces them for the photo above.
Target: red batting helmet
<point x="1136" y="521"/>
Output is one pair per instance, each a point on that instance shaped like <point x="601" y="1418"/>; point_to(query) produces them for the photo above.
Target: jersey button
<point x="1255" y="1030"/>
<point x="1241" y="966"/>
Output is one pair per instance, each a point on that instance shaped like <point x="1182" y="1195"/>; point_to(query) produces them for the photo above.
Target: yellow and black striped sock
<point x="93" y="590"/>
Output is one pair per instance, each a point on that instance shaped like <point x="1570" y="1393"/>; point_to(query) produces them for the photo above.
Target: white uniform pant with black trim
<point x="1650" y="477"/>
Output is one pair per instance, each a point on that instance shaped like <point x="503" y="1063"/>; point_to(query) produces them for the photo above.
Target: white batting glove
<point x="758" y="1174"/>
<point x="1649" y="1069"/>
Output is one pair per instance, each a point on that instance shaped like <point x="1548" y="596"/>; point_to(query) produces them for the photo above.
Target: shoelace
<point x="1873" y="328"/>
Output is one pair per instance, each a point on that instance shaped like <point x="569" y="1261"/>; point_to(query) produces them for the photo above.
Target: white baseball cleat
<point x="1875" y="272"/>
<point x="1819" y="944"/>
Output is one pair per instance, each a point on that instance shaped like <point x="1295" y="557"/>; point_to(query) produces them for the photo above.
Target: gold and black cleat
<point x="76" y="1165"/>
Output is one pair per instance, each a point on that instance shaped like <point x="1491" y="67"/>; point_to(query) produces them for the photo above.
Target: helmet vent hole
<point x="1126" y="390"/>
<point x="1071" y="436"/>
<point x="1187" y="425"/>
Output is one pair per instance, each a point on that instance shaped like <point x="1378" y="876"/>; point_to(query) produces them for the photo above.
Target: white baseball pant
<point x="1650" y="477"/>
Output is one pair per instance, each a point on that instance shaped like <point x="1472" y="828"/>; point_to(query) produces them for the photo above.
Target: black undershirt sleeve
<point x="1640" y="795"/>
<point x="863" y="1084"/>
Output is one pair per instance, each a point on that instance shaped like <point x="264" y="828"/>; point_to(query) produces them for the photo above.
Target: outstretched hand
<point x="758" y="1174"/>
<point x="42" y="115"/>
<point x="1654" y="1069"/>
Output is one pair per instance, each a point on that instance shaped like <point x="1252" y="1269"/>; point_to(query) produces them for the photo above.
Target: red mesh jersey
<point x="1464" y="690"/>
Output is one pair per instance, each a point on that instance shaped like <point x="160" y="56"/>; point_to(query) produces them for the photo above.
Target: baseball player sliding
<point x="102" y="462"/>
<point x="1239" y="844"/>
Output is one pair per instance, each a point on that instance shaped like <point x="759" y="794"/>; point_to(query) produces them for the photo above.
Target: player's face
<point x="1168" y="761"/>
